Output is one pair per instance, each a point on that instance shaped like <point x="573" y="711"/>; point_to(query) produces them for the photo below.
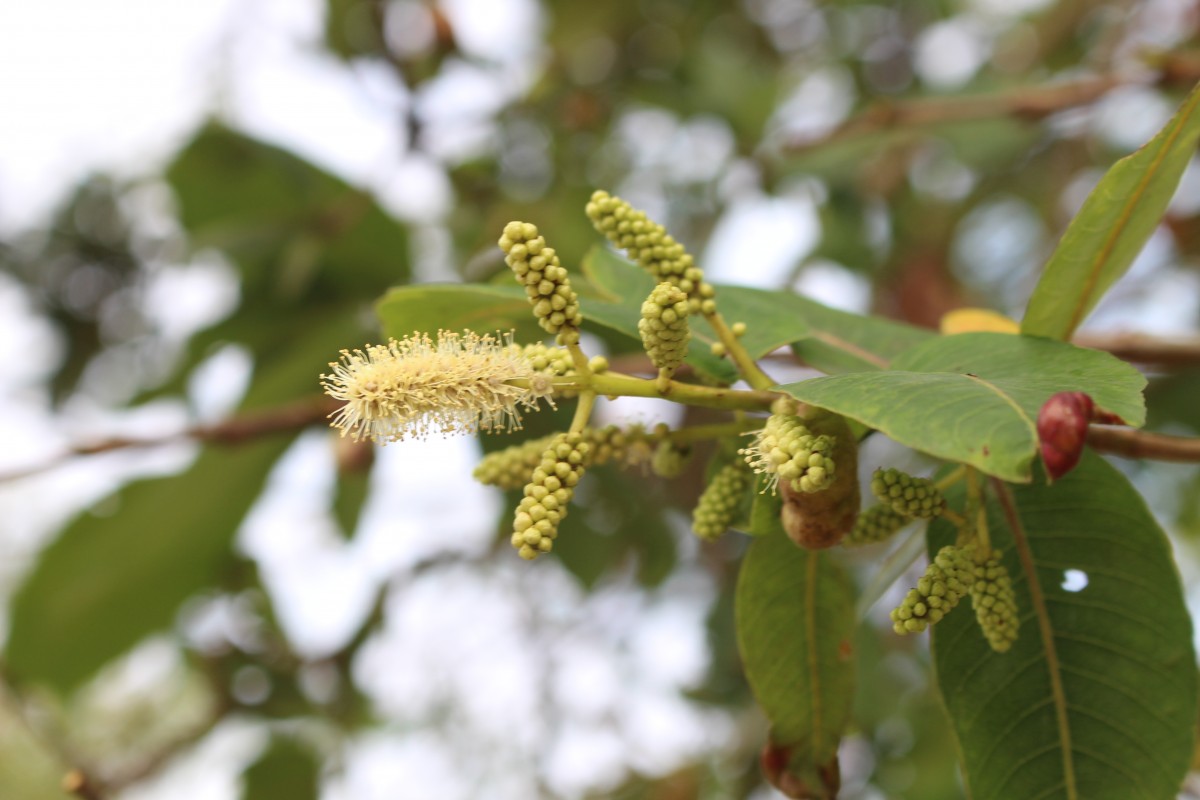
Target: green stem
<point x="719" y="430"/>
<point x="746" y="365"/>
<point x="580" y="360"/>
<point x="613" y="384"/>
<point x="583" y="411"/>
<point x="951" y="479"/>
<point x="976" y="513"/>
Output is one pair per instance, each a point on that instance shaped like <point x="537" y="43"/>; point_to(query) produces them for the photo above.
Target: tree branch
<point x="1026" y="102"/>
<point x="1030" y="103"/>
<point x="231" y="431"/>
<point x="1130" y="443"/>
<point x="1143" y="349"/>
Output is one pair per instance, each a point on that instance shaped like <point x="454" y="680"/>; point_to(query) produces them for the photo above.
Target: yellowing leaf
<point x="977" y="320"/>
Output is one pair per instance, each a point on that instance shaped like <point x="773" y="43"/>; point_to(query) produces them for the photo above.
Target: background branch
<point x="231" y="431"/>
<point x="1131" y="443"/>
<point x="1143" y="349"/>
<point x="1022" y="102"/>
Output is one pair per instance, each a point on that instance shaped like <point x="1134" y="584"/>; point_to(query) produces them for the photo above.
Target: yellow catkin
<point x="415" y="386"/>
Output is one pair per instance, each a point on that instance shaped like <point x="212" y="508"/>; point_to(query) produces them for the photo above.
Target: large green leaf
<point x="295" y="232"/>
<point x="1109" y="231"/>
<point x="109" y="581"/>
<point x="826" y="338"/>
<point x="795" y="626"/>
<point x="1097" y="698"/>
<point x="453" y="306"/>
<point x="975" y="397"/>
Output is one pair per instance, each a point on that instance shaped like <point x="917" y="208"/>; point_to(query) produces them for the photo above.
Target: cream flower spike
<point x="412" y="387"/>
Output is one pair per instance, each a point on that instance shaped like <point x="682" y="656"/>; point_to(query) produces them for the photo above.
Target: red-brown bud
<point x="1062" y="427"/>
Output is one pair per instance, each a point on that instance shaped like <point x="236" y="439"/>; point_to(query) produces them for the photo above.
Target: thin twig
<point x="1030" y="102"/>
<point x="1129" y="443"/>
<point x="1143" y="349"/>
<point x="232" y="431"/>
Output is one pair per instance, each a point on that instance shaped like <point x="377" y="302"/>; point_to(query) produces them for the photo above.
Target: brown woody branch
<point x="232" y="431"/>
<point x="1130" y="443"/>
<point x="1028" y="102"/>
<point x="1143" y="349"/>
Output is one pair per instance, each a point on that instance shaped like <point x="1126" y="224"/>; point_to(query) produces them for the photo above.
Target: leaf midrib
<point x="1118" y="229"/>
<point x="1045" y="629"/>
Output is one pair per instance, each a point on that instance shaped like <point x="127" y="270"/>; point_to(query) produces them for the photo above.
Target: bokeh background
<point x="199" y="203"/>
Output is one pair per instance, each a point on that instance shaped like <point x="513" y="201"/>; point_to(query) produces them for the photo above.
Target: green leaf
<point x="765" y="508"/>
<point x="617" y="518"/>
<point x="975" y="397"/>
<point x="795" y="626"/>
<point x="296" y="232"/>
<point x="828" y="339"/>
<point x="429" y="308"/>
<point x="109" y="581"/>
<point x="1109" y="231"/>
<point x="288" y="770"/>
<point x="349" y="496"/>
<point x="1097" y="698"/>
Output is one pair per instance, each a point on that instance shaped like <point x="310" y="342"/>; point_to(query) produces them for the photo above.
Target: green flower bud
<point x="876" y="524"/>
<point x="786" y="450"/>
<point x="664" y="326"/>
<point x="649" y="244"/>
<point x="550" y="488"/>
<point x="538" y="269"/>
<point x="511" y="467"/>
<point x="946" y="581"/>
<point x="995" y="603"/>
<point x="669" y="459"/>
<point x="719" y="503"/>
<point x="907" y="495"/>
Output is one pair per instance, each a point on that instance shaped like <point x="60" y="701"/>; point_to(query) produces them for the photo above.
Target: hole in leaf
<point x="1074" y="580"/>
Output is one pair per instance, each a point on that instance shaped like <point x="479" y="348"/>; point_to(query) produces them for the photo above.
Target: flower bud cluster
<point x="664" y="326"/>
<point x="718" y="505"/>
<point x="669" y="459"/>
<point x="786" y="450"/>
<point x="537" y="268"/>
<point x="649" y="244"/>
<point x="877" y="524"/>
<point x="946" y="580"/>
<point x="995" y="603"/>
<point x="554" y="362"/>
<point x="906" y="494"/>
<point x="547" y="494"/>
<point x="511" y="467"/>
